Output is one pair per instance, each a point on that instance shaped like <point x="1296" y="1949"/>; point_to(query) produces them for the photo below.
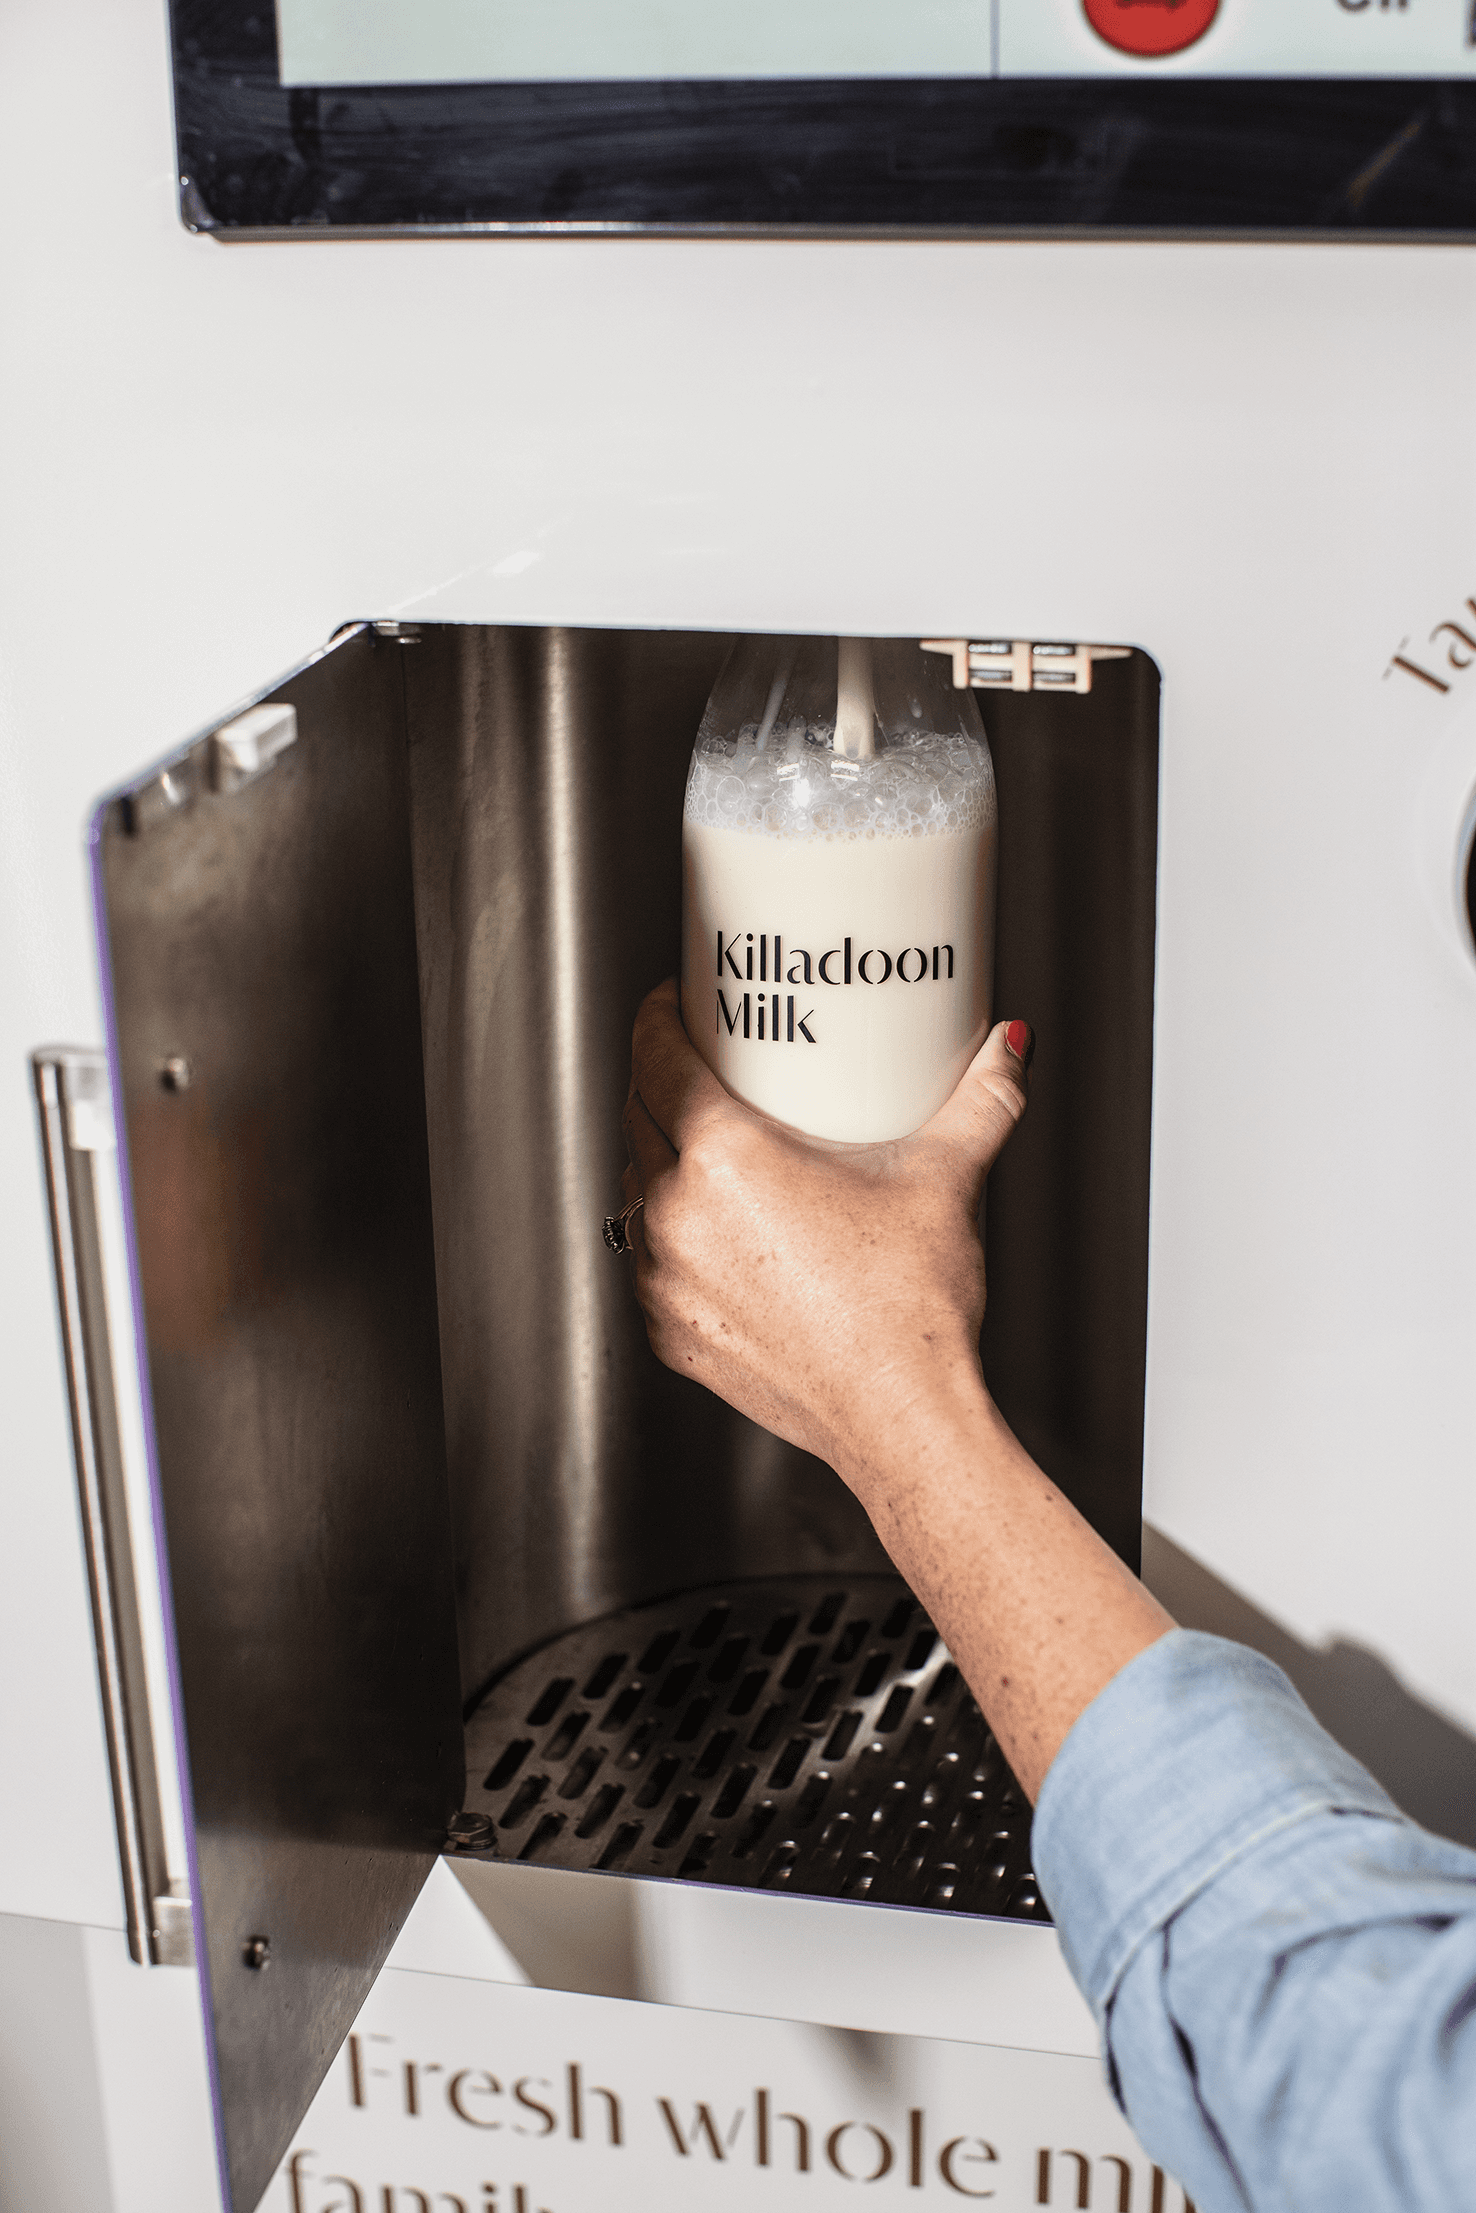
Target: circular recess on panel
<point x="1151" y="27"/>
<point x="1467" y="866"/>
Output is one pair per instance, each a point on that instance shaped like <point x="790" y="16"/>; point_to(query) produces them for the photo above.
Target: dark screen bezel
<point x="1139" y="156"/>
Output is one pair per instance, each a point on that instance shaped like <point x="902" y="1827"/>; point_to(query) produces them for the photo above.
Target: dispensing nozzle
<point x="855" y="702"/>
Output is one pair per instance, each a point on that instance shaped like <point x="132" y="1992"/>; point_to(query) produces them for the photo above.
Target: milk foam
<point x="918" y="785"/>
<point x="871" y="885"/>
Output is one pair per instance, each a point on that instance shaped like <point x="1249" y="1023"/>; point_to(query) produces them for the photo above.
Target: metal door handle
<point x="76" y="1125"/>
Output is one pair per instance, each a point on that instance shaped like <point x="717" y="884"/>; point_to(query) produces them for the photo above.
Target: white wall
<point x="1256" y="462"/>
<point x="103" y="2097"/>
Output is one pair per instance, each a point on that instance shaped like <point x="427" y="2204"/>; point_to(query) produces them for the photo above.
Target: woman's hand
<point x="834" y="1293"/>
<point x="829" y="1291"/>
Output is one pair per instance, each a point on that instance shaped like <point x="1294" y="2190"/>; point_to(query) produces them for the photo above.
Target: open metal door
<point x="258" y="938"/>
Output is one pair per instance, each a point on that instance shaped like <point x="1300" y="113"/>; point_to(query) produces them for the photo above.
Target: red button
<point x="1151" y="26"/>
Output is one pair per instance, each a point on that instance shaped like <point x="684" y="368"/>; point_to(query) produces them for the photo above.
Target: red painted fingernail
<point x="1020" y="1039"/>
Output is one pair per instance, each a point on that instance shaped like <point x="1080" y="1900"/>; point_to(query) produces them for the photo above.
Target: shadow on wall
<point x="1427" y="1765"/>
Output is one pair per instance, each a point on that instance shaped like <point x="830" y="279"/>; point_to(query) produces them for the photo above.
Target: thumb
<point x="989" y="1099"/>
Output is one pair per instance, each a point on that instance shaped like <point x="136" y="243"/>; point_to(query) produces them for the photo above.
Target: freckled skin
<point x="834" y="1293"/>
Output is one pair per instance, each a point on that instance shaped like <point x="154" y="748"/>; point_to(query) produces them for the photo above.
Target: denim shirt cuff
<point x="1192" y="1754"/>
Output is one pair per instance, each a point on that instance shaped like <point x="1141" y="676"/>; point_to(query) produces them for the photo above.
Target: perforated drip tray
<point x="797" y="1734"/>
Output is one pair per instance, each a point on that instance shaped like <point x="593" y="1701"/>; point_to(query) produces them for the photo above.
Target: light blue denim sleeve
<point x="1283" y="1968"/>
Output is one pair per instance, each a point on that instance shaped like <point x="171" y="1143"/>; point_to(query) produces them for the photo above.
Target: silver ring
<point x="617" y="1227"/>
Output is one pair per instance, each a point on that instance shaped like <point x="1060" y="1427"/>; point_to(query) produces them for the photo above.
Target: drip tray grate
<point x="801" y="1733"/>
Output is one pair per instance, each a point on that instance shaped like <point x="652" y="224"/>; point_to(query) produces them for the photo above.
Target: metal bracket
<point x="75" y="1107"/>
<point x="249" y="745"/>
<point x="172" y="1937"/>
<point x="1018" y="665"/>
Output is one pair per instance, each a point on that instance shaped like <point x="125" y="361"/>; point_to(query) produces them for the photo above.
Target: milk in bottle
<point x="838" y="851"/>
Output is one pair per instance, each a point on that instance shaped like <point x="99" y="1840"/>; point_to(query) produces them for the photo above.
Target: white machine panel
<point x="1254" y="462"/>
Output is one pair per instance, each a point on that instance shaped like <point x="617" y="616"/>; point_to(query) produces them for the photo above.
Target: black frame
<point x="975" y="157"/>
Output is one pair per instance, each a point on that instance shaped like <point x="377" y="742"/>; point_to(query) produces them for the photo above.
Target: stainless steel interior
<point x="547" y="773"/>
<point x="371" y="1012"/>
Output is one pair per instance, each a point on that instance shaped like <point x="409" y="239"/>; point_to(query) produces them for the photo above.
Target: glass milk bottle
<point x="838" y="867"/>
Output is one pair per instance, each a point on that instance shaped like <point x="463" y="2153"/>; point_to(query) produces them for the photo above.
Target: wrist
<point x="914" y="1420"/>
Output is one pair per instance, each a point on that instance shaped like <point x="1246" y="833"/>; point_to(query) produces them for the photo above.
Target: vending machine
<point x="456" y="1760"/>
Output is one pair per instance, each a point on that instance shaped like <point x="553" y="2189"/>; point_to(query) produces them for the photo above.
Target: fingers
<point x="675" y="1084"/>
<point x="648" y="1146"/>
<point x="989" y="1099"/>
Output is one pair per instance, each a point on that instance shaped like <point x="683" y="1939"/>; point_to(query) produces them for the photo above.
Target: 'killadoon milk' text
<point x="838" y="916"/>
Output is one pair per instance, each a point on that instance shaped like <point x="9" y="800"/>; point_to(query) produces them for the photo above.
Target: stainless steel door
<point x="260" y="945"/>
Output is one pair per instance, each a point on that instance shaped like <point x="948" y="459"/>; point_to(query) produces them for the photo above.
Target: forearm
<point x="834" y="1294"/>
<point x="1039" y="1613"/>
